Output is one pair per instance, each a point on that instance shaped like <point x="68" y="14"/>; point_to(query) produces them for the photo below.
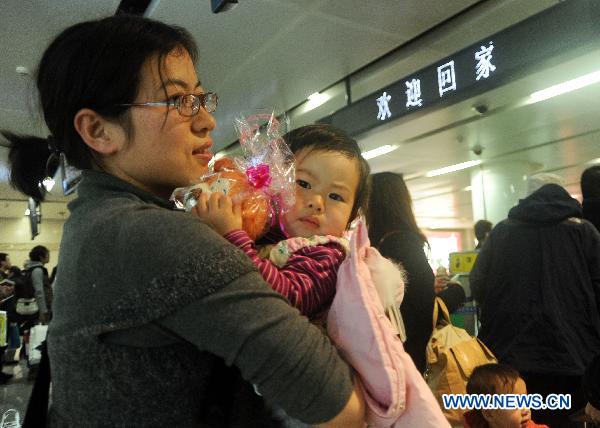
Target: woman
<point x="182" y="326"/>
<point x="394" y="232"/>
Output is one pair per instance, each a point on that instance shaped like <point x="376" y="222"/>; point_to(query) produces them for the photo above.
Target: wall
<point x="15" y="239"/>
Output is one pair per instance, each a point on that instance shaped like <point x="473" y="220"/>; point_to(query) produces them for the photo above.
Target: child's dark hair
<point x="97" y="65"/>
<point x="492" y="379"/>
<point x="489" y="379"/>
<point x="323" y="137"/>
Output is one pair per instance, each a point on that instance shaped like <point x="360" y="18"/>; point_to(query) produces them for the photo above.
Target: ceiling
<point x="560" y="135"/>
<point x="274" y="53"/>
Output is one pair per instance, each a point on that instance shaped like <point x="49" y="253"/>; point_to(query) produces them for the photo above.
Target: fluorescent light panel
<point x="315" y="100"/>
<point x="452" y="168"/>
<point x="563" y="88"/>
<point x="370" y="154"/>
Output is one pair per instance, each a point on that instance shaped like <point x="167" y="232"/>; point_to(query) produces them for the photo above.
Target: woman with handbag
<point x="394" y="232"/>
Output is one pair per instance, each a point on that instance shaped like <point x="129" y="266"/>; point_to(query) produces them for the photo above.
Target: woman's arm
<point x="291" y="363"/>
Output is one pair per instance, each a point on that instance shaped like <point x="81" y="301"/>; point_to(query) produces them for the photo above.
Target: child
<point x="304" y="251"/>
<point x="497" y="379"/>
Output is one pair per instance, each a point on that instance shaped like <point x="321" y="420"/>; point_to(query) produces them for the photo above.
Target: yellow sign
<point x="3" y="324"/>
<point x="462" y="262"/>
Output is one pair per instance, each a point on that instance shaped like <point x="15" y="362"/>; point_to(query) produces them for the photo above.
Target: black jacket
<point x="406" y="248"/>
<point x="591" y="211"/>
<point x="537" y="278"/>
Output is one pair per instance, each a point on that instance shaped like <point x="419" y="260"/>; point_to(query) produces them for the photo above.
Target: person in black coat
<point x="590" y="192"/>
<point x="394" y="232"/>
<point x="537" y="279"/>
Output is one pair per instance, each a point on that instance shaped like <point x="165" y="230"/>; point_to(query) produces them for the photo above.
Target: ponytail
<point x="27" y="157"/>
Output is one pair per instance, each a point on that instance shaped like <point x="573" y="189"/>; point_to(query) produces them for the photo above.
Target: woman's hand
<point x="220" y="211"/>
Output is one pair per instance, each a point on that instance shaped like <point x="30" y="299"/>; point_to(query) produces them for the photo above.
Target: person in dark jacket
<point x="537" y="279"/>
<point x="590" y="192"/>
<point x="394" y="232"/>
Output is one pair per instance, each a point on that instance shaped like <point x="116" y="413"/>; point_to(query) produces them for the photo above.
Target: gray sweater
<point x="158" y="321"/>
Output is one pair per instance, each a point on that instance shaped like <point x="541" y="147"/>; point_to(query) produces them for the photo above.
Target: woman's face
<point x="166" y="150"/>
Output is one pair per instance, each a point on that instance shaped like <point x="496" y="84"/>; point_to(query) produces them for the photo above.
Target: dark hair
<point x="97" y="65"/>
<point x="37" y="252"/>
<point x="15" y="271"/>
<point x="489" y="379"/>
<point x="590" y="182"/>
<point x="492" y="379"/>
<point x="3" y="257"/>
<point x="390" y="207"/>
<point x="323" y="137"/>
<point x="482" y="228"/>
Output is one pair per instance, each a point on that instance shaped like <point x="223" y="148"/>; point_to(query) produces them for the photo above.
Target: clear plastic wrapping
<point x="263" y="179"/>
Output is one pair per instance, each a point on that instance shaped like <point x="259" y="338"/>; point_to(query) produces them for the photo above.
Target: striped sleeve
<point x="308" y="278"/>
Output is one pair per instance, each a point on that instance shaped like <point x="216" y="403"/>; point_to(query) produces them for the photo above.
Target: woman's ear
<point x="99" y="134"/>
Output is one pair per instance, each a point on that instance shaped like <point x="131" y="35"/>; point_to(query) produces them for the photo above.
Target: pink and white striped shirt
<point x="308" y="278"/>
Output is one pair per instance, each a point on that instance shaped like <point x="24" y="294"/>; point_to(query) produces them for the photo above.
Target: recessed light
<point x="22" y="70"/>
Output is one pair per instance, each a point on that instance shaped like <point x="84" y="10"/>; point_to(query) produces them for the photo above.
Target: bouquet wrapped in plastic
<point x="263" y="179"/>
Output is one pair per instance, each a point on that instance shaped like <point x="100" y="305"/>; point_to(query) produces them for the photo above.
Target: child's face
<point x="326" y="184"/>
<point x="514" y="418"/>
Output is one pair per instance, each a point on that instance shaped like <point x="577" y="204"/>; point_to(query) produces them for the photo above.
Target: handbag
<point x="452" y="355"/>
<point x="27" y="306"/>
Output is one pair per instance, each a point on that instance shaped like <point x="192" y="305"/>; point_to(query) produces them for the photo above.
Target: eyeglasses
<point x="187" y="105"/>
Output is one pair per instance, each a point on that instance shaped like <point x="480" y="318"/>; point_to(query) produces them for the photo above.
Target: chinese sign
<point x="383" y="105"/>
<point x="510" y="54"/>
<point x="484" y="64"/>
<point x="413" y="93"/>
<point x="480" y="66"/>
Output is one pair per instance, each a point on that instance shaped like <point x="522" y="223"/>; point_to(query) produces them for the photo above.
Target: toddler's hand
<point x="219" y="211"/>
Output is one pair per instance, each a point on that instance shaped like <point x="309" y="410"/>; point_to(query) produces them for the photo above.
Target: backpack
<point x="24" y="285"/>
<point x="395" y="392"/>
<point x="452" y="355"/>
<point x="25" y="294"/>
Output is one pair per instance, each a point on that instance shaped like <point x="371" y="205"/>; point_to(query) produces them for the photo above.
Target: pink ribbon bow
<point x="259" y="176"/>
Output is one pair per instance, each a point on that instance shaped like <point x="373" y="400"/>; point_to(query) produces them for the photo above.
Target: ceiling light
<point x="370" y="154"/>
<point x="22" y="70"/>
<point x="452" y="168"/>
<point x="468" y="188"/>
<point x="315" y="100"/>
<point x="563" y="88"/>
